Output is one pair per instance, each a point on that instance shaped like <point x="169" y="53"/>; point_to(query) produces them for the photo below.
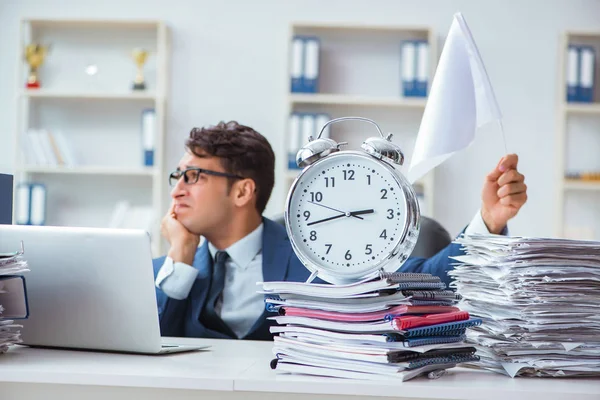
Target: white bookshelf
<point x="50" y="94"/>
<point x="370" y="88"/>
<point x="356" y="100"/>
<point x="100" y="117"/>
<point x="578" y="138"/>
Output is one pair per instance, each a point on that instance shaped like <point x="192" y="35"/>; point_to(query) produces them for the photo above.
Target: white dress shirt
<point x="241" y="305"/>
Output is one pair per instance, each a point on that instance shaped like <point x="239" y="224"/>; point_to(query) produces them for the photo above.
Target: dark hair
<point x="242" y="151"/>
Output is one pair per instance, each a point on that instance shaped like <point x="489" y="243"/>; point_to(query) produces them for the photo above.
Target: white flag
<point x="461" y="99"/>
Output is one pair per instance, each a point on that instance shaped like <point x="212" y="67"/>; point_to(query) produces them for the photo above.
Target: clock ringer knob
<point x="383" y="149"/>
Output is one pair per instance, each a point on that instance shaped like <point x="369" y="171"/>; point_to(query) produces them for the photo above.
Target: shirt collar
<point x="244" y="250"/>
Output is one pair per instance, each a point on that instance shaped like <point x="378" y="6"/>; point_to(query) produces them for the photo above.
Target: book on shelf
<point x="44" y="147"/>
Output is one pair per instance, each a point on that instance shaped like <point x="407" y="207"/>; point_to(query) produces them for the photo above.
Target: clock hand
<point x="352" y="214"/>
<point x="361" y="212"/>
<point x="326" y="219"/>
<point x="335" y="209"/>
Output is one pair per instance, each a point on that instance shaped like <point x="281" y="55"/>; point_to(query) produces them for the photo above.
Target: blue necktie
<point x="209" y="316"/>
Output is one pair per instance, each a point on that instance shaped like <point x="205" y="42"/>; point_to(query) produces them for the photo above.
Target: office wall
<point x="229" y="61"/>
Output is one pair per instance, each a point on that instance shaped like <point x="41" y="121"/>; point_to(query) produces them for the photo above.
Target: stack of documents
<point x="13" y="297"/>
<point x="387" y="326"/>
<point x="539" y="300"/>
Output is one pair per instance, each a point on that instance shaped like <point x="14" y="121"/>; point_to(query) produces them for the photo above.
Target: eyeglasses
<point x="191" y="175"/>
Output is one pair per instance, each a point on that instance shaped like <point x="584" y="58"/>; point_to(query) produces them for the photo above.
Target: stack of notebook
<point x="397" y="326"/>
<point x="13" y="298"/>
<point x="539" y="300"/>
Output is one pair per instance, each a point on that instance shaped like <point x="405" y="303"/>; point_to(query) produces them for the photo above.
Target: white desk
<point x="240" y="370"/>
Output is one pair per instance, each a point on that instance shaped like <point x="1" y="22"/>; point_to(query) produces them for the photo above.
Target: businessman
<point x="219" y="191"/>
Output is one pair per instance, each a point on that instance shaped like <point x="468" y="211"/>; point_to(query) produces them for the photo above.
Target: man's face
<point x="205" y="205"/>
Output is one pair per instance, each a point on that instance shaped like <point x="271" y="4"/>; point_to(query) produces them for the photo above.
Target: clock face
<point x="346" y="214"/>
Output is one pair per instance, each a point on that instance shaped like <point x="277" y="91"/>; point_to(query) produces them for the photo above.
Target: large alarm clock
<point x="351" y="213"/>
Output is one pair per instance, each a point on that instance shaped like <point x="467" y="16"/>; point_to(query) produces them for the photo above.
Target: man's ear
<point x="244" y="192"/>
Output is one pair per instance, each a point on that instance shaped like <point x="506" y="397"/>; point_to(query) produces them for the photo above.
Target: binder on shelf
<point x="572" y="73"/>
<point x="322" y="119"/>
<point x="6" y="199"/>
<point x="308" y="127"/>
<point x="38" y="204"/>
<point x="302" y="126"/>
<point x="23" y="201"/>
<point x="294" y="138"/>
<point x="149" y="135"/>
<point x="587" y="59"/>
<point x="422" y="57"/>
<point x="31" y="204"/>
<point x="297" y="64"/>
<point x="408" y="72"/>
<point x="13" y="297"/>
<point x="310" y="77"/>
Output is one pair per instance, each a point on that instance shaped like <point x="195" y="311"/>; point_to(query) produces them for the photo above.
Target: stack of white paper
<point x="539" y="300"/>
<point x="13" y="297"/>
<point x="387" y="326"/>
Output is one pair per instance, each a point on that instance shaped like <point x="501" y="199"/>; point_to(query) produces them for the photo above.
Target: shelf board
<point x="583" y="108"/>
<point x="578" y="184"/>
<point x="49" y="94"/>
<point x="353" y="100"/>
<point x="92" y="23"/>
<point x="592" y="34"/>
<point x="359" y="27"/>
<point x="90" y="170"/>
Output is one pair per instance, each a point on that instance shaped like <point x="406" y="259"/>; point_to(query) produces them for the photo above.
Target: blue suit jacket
<point x="181" y="318"/>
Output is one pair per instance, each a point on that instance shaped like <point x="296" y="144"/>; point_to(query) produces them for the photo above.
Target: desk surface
<point x="243" y="366"/>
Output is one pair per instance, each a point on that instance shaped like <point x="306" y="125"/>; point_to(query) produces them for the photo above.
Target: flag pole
<point x="503" y="135"/>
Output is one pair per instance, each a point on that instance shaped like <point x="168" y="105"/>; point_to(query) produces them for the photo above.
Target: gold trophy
<point x="139" y="56"/>
<point x="34" y="55"/>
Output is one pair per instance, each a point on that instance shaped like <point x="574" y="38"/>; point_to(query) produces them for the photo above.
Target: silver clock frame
<point x="390" y="157"/>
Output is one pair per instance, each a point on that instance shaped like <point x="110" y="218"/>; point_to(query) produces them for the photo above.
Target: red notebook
<point x="403" y="323"/>
<point x="364" y="317"/>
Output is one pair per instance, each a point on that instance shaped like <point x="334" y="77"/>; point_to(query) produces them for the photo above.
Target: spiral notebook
<point x="441" y="328"/>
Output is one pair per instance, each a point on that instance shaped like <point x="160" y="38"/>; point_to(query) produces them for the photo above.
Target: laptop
<point x="89" y="288"/>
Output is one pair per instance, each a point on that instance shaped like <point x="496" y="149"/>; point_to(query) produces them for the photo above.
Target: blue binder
<point x="149" y="129"/>
<point x="587" y="68"/>
<point x="572" y="73"/>
<point x="37" y="211"/>
<point x="297" y="64"/>
<point x="6" y="199"/>
<point x="409" y="68"/>
<point x="310" y="73"/>
<point x="422" y="68"/>
<point x="294" y="139"/>
<point x="31" y="204"/>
